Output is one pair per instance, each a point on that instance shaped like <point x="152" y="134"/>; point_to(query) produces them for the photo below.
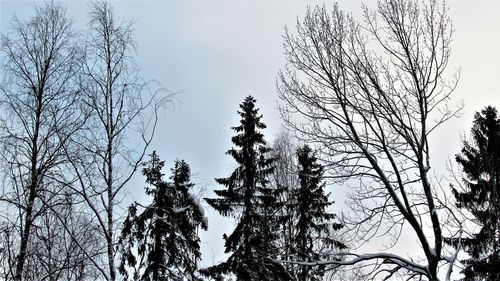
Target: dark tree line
<point x="160" y="240"/>
<point x="71" y="101"/>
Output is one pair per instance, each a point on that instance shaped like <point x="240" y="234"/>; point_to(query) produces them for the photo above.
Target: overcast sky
<point x="215" y="53"/>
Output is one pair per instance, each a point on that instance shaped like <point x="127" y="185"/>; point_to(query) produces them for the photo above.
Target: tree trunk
<point x="21" y="257"/>
<point x="109" y="236"/>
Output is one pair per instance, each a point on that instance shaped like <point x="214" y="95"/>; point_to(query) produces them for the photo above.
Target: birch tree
<point x="40" y="113"/>
<point x="123" y="109"/>
<point x="284" y="177"/>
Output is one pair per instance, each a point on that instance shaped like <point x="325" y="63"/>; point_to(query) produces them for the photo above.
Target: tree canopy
<point x="249" y="198"/>
<point x="480" y="162"/>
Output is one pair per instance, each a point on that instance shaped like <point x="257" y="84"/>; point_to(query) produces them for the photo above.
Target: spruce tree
<point x="248" y="198"/>
<point x="190" y="217"/>
<point x="480" y="162"/>
<point x="314" y="226"/>
<point x="161" y="242"/>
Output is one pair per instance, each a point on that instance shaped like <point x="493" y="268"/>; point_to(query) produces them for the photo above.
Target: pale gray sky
<point x="218" y="52"/>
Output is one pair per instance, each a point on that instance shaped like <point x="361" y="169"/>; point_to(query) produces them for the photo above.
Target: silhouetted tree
<point x="162" y="241"/>
<point x="370" y="94"/>
<point x="40" y="113"/>
<point x="190" y="217"/>
<point x="249" y="199"/>
<point x="480" y="162"/>
<point x="65" y="241"/>
<point x="284" y="177"/>
<point x="314" y="228"/>
<point x="122" y="106"/>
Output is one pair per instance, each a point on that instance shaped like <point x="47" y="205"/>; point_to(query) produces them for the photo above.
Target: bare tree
<point x="285" y="176"/>
<point x="123" y="110"/>
<point x="370" y="95"/>
<point x="63" y="238"/>
<point x="40" y="113"/>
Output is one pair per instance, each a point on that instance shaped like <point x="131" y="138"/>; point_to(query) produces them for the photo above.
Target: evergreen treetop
<point x="248" y="198"/>
<point x="162" y="241"/>
<point x="480" y="162"/>
<point x="314" y="228"/>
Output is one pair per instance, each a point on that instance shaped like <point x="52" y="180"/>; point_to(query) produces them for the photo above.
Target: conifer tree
<point x="161" y="242"/>
<point x="248" y="198"/>
<point x="480" y="162"/>
<point x="314" y="226"/>
<point x="191" y="217"/>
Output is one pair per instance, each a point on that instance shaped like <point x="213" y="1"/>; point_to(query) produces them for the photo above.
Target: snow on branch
<point x="353" y="259"/>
